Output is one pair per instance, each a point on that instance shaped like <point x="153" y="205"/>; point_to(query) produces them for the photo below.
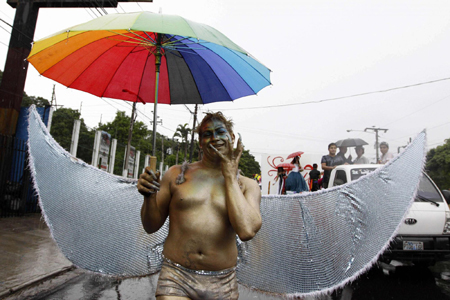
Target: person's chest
<point x="200" y="192"/>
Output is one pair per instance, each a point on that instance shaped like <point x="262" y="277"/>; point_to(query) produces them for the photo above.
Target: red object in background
<point x="298" y="153"/>
<point x="286" y="166"/>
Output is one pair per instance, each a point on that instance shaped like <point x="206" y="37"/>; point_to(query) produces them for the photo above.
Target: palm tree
<point x="183" y="132"/>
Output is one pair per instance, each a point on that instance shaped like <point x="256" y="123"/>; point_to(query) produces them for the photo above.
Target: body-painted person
<point x="208" y="204"/>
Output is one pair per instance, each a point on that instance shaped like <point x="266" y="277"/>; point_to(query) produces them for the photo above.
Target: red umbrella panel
<point x="298" y="153"/>
<point x="286" y="166"/>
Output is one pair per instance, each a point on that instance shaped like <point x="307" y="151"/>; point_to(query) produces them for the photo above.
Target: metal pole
<point x="376" y="137"/>
<point x="176" y="160"/>
<point x="157" y="67"/>
<point x="130" y="132"/>
<point x="162" y="150"/>
<point x="376" y="142"/>
<point x="192" y="134"/>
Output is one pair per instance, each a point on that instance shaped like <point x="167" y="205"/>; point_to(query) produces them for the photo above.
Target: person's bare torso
<point x="200" y="234"/>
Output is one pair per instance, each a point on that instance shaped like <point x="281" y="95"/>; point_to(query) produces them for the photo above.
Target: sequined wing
<point x="94" y="216"/>
<point x="316" y="242"/>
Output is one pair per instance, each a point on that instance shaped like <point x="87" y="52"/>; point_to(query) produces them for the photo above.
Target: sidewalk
<point x="27" y="253"/>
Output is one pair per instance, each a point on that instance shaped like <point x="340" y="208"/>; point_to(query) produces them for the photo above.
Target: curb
<point x="35" y="281"/>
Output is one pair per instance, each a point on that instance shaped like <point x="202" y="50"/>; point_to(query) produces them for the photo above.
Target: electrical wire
<point x="342" y="97"/>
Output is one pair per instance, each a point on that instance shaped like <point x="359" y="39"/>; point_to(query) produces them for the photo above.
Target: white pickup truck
<point x="424" y="236"/>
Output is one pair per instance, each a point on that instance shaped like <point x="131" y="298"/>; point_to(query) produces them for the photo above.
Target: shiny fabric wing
<point x="93" y="216"/>
<point x="316" y="242"/>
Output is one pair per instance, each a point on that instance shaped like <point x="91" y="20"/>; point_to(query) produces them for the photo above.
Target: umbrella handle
<point x="153" y="163"/>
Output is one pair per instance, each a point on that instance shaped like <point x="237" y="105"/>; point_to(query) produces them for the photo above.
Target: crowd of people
<point x="295" y="182"/>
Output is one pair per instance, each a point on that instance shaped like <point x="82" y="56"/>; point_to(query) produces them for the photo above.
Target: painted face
<point x="384" y="149"/>
<point x="332" y="150"/>
<point x="215" y="133"/>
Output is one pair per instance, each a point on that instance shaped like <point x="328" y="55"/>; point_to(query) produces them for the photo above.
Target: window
<point x="340" y="178"/>
<point x="427" y="191"/>
<point x="358" y="172"/>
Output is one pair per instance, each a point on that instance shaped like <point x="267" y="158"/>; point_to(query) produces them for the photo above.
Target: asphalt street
<point x="33" y="268"/>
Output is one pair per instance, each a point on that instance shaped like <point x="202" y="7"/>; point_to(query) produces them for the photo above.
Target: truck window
<point x="358" y="172"/>
<point x="427" y="191"/>
<point x="340" y="177"/>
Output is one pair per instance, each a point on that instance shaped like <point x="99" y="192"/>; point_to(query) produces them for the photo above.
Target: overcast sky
<point x="323" y="55"/>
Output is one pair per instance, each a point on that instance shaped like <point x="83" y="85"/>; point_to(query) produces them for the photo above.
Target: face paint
<point x="216" y="134"/>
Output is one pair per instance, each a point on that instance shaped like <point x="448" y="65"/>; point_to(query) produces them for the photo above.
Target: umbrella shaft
<point x="155" y="116"/>
<point x="157" y="67"/>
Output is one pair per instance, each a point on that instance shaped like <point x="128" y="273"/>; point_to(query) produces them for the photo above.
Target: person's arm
<point x="155" y="209"/>
<point x="325" y="167"/>
<point x="242" y="203"/>
<point x="276" y="179"/>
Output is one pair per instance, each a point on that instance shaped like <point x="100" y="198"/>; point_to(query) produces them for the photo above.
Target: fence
<point x="17" y="196"/>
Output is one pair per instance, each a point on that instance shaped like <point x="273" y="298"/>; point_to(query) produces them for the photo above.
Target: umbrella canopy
<point x="298" y="153"/>
<point x="286" y="166"/>
<point x="351" y="142"/>
<point x="117" y="56"/>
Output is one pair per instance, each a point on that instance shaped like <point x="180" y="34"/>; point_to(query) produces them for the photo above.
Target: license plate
<point x="414" y="246"/>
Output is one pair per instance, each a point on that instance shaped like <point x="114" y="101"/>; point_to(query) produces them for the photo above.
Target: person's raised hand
<point x="230" y="161"/>
<point x="148" y="182"/>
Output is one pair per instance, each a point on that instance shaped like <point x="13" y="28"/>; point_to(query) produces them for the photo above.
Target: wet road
<point x="28" y="252"/>
<point x="412" y="283"/>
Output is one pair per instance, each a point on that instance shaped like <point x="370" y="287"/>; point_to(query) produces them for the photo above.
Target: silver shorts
<point x="176" y="280"/>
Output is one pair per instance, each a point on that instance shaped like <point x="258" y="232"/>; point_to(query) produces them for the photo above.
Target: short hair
<point x="210" y="116"/>
<point x="360" y="147"/>
<point x="331" y="144"/>
<point x="384" y="144"/>
<point x="314" y="166"/>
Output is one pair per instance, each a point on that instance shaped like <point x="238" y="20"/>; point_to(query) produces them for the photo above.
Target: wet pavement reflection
<point x="27" y="251"/>
<point x="28" y="254"/>
<point x="405" y="283"/>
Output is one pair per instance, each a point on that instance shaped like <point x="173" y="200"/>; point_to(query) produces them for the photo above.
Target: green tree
<point x="62" y="128"/>
<point x="183" y="132"/>
<point x="438" y="165"/>
<point x="248" y="165"/>
<point x="140" y="139"/>
<point x="38" y="101"/>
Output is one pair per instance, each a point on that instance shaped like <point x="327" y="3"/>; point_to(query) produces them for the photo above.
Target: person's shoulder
<point x="248" y="182"/>
<point x="173" y="171"/>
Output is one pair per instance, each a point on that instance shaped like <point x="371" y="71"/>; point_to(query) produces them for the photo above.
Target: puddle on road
<point x="29" y="255"/>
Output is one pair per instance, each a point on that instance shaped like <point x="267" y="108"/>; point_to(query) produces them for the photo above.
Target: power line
<point x="340" y="98"/>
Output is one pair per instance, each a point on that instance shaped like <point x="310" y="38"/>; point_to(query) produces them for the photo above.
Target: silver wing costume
<point x="308" y="244"/>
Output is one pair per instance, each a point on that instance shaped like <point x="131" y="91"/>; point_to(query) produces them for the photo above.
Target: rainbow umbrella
<point x="150" y="58"/>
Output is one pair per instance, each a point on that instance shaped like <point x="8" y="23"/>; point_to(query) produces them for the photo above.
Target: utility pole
<point x="176" y="160"/>
<point x="192" y="134"/>
<point x="130" y="133"/>
<point x="53" y="97"/>
<point x="376" y="137"/>
<point x="162" y="150"/>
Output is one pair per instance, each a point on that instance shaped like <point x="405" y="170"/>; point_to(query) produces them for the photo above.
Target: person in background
<point x="329" y="162"/>
<point x="314" y="176"/>
<point x="361" y="159"/>
<point x="281" y="178"/>
<point x="342" y="151"/>
<point x="386" y="155"/>
<point x="295" y="181"/>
